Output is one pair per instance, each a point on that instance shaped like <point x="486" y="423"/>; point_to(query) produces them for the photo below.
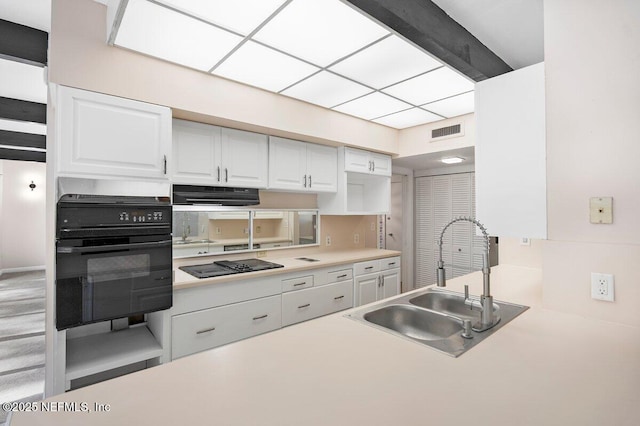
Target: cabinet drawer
<point x="390" y="263"/>
<point x="297" y="283"/>
<point x="362" y="268"/>
<point x="197" y="331"/>
<point x="314" y="302"/>
<point x="342" y="275"/>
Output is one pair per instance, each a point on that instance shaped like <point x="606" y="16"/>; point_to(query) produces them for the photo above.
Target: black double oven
<point x="113" y="258"/>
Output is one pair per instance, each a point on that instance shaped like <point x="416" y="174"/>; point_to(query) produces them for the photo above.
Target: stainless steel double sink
<point x="434" y="318"/>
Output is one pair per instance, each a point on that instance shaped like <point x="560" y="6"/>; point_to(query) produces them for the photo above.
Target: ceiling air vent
<point x="447" y="132"/>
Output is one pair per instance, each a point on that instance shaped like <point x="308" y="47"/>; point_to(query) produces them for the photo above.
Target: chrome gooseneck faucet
<point x="488" y="318"/>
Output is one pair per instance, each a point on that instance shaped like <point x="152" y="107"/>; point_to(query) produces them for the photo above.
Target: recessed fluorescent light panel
<point x="242" y="16"/>
<point x="453" y="106"/>
<point x="324" y="52"/>
<point x="326" y="89"/>
<point x="408" y="118"/>
<point x="319" y="31"/>
<point x="452" y="160"/>
<point x="160" y="32"/>
<point x="429" y="87"/>
<point x="264" y="67"/>
<point x="371" y="106"/>
<point x="386" y="62"/>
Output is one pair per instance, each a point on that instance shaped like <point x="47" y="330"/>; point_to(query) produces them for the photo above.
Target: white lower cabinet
<point x="302" y="305"/>
<point x="196" y="331"/>
<point x="376" y="280"/>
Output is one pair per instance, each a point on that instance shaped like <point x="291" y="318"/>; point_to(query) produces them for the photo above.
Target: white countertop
<point x="543" y="368"/>
<point x="183" y="280"/>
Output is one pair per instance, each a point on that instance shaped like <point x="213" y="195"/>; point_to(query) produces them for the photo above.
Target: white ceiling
<point x="433" y="160"/>
<point x="512" y="29"/>
<point x="32" y="13"/>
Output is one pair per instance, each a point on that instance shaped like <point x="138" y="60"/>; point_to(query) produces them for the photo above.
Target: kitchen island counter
<point x="543" y="368"/>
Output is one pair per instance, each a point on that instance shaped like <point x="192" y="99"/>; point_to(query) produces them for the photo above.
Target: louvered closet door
<point x="425" y="231"/>
<point x="438" y="200"/>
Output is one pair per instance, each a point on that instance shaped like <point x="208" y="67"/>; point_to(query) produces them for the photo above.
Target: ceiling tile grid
<point x="323" y="52"/>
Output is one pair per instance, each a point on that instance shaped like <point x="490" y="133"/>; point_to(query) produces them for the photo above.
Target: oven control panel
<point x="141" y="216"/>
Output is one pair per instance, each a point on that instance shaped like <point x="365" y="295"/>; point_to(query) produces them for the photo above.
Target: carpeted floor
<point x="21" y="337"/>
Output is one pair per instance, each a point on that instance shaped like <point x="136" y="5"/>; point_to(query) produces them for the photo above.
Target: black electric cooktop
<point x="228" y="267"/>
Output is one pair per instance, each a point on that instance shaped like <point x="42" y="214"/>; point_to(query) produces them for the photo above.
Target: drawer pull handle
<point x="368" y="267"/>
<point x="342" y="276"/>
<point x="206" y="330"/>
<point x="338" y="298"/>
<point x="260" y="317"/>
<point x="392" y="263"/>
<point x="304" y="306"/>
<point x="302" y="283"/>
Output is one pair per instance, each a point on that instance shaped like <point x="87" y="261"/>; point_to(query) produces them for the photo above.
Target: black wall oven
<point x="113" y="258"/>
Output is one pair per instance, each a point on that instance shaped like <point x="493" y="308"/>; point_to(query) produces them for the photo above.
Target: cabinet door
<point x="356" y="160"/>
<point x="196" y="153"/>
<point x="322" y="168"/>
<point x="197" y="331"/>
<point x="100" y="135"/>
<point x="244" y="159"/>
<point x="381" y="164"/>
<point x="390" y="284"/>
<point x="287" y="164"/>
<point x="366" y="289"/>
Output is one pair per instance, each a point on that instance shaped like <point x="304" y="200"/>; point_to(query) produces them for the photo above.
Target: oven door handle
<point x="97" y="249"/>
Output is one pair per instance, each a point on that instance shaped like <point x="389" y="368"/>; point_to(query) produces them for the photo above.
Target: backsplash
<point x="341" y="229"/>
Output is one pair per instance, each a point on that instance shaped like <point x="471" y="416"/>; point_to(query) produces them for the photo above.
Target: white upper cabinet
<point x="511" y="154"/>
<point x="99" y="135"/>
<point x="358" y="193"/>
<point x="359" y="161"/>
<point x="244" y="158"/>
<point x="210" y="155"/>
<point x="196" y="153"/>
<point x="300" y="166"/>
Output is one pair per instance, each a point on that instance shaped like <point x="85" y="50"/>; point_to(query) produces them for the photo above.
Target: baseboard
<point x="22" y="269"/>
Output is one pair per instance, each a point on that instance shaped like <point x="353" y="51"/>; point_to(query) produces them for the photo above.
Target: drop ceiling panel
<point x="326" y="89"/>
<point x="408" y="118"/>
<point x="371" y="106"/>
<point x="157" y="31"/>
<point x="453" y="106"/>
<point x="242" y="16"/>
<point x="264" y="67"/>
<point x="431" y="86"/>
<point x="387" y="62"/>
<point x="319" y="31"/>
<point x="23" y="127"/>
<point x="22" y="81"/>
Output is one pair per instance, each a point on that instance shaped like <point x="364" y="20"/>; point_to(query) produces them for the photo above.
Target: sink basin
<point x="414" y="322"/>
<point x="433" y="318"/>
<point x="448" y="303"/>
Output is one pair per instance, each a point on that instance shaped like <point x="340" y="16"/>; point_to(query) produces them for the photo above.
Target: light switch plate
<point x="601" y="210"/>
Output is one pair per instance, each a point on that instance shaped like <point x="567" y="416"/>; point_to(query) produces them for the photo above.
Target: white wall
<point x="592" y="108"/>
<point x="22" y="213"/>
<point x="417" y="140"/>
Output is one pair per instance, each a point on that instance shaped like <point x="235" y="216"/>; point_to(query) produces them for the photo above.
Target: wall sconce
<point x="32" y="185"/>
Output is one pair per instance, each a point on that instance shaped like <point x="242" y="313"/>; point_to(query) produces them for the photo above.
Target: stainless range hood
<point x="195" y="195"/>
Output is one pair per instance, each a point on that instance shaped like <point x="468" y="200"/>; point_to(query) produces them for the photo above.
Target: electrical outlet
<point x="245" y="230"/>
<point x="373" y="226"/>
<point x="525" y="241"/>
<point x="328" y="242"/>
<point x="602" y="286"/>
<point x="218" y="230"/>
<point x="262" y="253"/>
<point x="356" y="238"/>
<point x="258" y="229"/>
